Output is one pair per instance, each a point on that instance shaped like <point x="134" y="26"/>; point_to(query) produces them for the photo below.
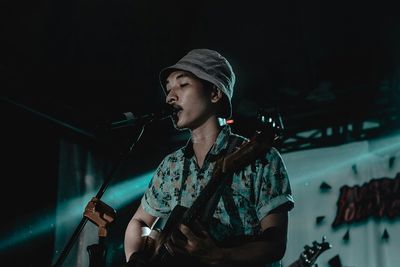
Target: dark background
<point x="69" y="65"/>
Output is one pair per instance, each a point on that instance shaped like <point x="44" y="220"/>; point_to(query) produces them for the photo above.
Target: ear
<point x="216" y="94"/>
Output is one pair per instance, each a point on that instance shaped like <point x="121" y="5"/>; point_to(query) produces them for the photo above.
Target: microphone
<point x="129" y="119"/>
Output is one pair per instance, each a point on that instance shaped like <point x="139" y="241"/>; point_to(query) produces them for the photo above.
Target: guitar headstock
<point x="269" y="126"/>
<point x="268" y="131"/>
<point x="310" y="254"/>
<point x="269" y="121"/>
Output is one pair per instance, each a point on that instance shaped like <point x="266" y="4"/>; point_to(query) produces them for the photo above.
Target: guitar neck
<point x="200" y="203"/>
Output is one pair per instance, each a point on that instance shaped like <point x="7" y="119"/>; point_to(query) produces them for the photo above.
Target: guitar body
<point x="158" y="238"/>
<point x="156" y="242"/>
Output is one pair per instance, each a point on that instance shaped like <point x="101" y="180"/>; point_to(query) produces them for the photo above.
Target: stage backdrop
<point x="355" y="186"/>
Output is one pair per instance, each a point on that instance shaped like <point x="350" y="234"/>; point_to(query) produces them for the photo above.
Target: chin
<point x="181" y="126"/>
<point x="177" y="125"/>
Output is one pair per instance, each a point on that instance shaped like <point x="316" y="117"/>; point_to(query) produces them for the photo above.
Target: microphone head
<point x="166" y="111"/>
<point x="129" y="119"/>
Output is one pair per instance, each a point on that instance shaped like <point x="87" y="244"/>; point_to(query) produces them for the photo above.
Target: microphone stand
<point x="123" y="158"/>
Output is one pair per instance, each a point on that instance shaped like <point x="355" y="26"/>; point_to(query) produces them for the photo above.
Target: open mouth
<point x="177" y="111"/>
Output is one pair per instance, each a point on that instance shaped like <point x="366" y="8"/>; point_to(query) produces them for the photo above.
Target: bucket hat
<point x="208" y="65"/>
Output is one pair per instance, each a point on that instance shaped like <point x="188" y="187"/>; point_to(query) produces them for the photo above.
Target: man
<point x="255" y="202"/>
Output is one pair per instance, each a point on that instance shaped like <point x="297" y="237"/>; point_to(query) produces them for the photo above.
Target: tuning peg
<point x="305" y="258"/>
<point x="316" y="245"/>
<point x="328" y="246"/>
<point x="307" y="251"/>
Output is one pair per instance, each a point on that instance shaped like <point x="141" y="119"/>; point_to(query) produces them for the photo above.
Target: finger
<point x="201" y="230"/>
<point x="177" y="249"/>
<point x="187" y="232"/>
<point x="178" y="241"/>
<point x="206" y="235"/>
<point x="199" y="225"/>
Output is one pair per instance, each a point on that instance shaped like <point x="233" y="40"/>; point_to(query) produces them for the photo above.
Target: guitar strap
<point x="185" y="173"/>
<point x="233" y="142"/>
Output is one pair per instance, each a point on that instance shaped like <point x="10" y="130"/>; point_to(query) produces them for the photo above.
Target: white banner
<point x="351" y="164"/>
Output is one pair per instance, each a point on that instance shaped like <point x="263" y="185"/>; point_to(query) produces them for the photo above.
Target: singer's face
<point x="191" y="99"/>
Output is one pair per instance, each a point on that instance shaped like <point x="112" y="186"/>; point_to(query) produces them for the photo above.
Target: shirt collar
<point x="220" y="143"/>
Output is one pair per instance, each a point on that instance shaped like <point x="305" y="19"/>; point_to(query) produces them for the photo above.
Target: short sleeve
<point x="156" y="199"/>
<point x="274" y="186"/>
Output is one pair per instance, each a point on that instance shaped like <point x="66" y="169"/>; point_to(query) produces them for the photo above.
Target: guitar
<point x="155" y="240"/>
<point x="310" y="254"/>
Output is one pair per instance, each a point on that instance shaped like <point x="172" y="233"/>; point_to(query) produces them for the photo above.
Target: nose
<point x="171" y="97"/>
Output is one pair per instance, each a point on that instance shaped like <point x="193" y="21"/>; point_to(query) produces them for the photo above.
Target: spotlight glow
<point x="72" y="210"/>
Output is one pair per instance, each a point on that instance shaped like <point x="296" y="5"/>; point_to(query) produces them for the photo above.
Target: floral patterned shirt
<point x="256" y="190"/>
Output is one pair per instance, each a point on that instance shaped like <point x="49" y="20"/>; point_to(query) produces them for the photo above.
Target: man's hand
<point x="200" y="246"/>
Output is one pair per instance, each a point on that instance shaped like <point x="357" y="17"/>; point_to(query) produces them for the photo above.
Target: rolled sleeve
<point x="274" y="203"/>
<point x="275" y="190"/>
